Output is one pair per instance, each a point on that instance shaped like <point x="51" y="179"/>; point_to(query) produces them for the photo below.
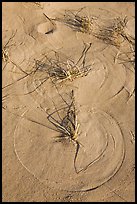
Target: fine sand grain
<point x="68" y="98"/>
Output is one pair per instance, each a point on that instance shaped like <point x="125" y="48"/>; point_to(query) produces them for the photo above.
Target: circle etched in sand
<point x="46" y="28"/>
<point x="63" y="165"/>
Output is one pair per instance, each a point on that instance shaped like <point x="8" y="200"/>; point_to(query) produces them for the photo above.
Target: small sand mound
<point x="46" y="28"/>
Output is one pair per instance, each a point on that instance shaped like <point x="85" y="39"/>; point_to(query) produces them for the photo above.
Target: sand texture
<point x="68" y="102"/>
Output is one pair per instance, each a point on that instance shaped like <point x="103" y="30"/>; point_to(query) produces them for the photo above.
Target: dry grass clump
<point x="67" y="125"/>
<point x="128" y="56"/>
<point x="76" y="21"/>
<point x="58" y="68"/>
<point x="113" y="34"/>
<point x="60" y="71"/>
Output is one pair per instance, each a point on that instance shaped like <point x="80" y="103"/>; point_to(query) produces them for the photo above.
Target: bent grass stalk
<point x="5" y="48"/>
<point x="77" y="22"/>
<point x="68" y="126"/>
<point x="113" y="34"/>
<point x="59" y="71"/>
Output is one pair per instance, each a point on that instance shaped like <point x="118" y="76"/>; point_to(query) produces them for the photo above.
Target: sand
<point x="99" y="165"/>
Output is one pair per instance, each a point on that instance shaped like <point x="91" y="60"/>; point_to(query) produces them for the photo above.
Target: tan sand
<point x="35" y="167"/>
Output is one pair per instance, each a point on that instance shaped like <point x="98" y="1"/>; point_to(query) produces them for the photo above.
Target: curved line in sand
<point x="110" y="175"/>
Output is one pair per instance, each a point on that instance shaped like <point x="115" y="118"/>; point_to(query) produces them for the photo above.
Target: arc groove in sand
<point x="85" y="171"/>
<point x="26" y="168"/>
<point x="92" y="162"/>
<point x="117" y="168"/>
<point x="16" y="150"/>
<point x="122" y="159"/>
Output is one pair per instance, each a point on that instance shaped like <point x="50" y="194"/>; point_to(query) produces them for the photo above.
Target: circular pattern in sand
<point x="102" y="148"/>
<point x="99" y="157"/>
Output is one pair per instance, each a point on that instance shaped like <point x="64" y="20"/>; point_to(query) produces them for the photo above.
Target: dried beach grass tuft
<point x="113" y="34"/>
<point x="66" y="125"/>
<point x="76" y="21"/>
<point x="59" y="68"/>
<point x="59" y="71"/>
